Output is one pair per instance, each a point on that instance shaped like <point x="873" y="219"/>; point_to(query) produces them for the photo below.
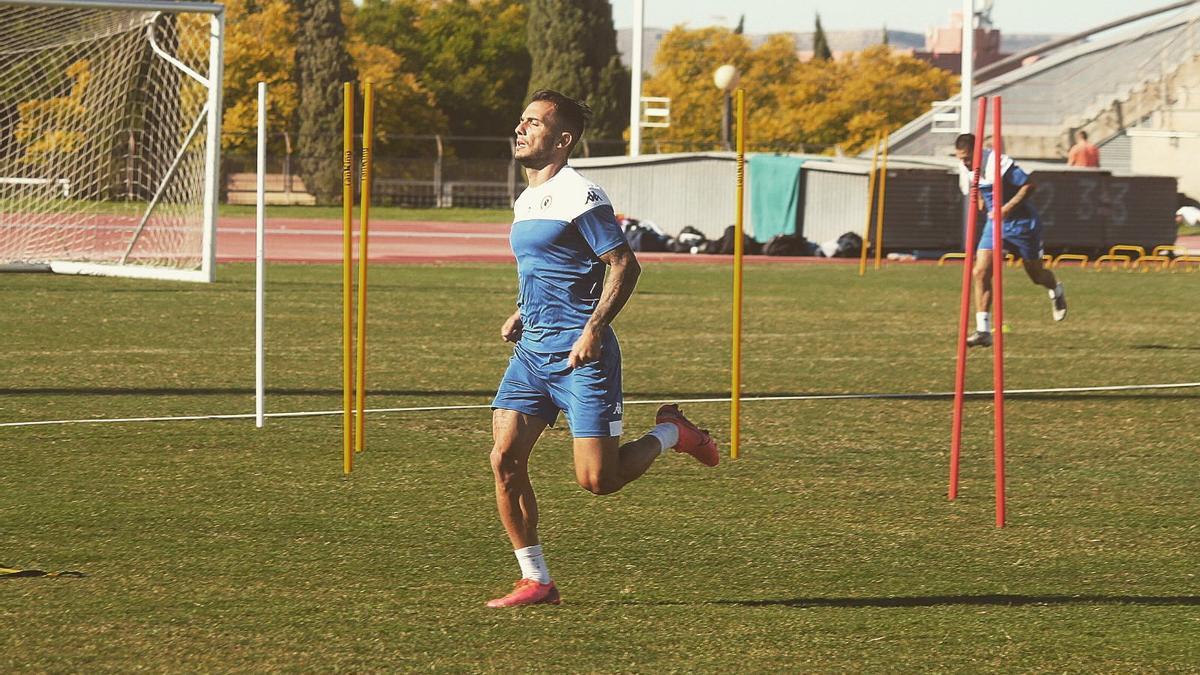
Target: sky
<point x="774" y="16"/>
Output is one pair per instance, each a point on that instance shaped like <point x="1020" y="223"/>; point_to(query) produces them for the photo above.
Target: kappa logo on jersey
<point x="592" y="196"/>
<point x="546" y="202"/>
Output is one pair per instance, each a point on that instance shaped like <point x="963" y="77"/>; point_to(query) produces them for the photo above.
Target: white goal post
<point x="110" y="118"/>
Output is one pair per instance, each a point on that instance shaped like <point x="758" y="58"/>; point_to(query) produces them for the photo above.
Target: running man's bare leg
<point x="514" y="435"/>
<point x="603" y="465"/>
<point x="982" y="276"/>
<point x="1039" y="275"/>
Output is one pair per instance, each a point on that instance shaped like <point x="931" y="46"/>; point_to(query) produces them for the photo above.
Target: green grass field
<point x="829" y="546"/>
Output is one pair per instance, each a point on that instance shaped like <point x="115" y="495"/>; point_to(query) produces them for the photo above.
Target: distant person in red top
<point x="1083" y="153"/>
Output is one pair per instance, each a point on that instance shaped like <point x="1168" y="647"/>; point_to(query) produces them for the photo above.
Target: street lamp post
<point x="726" y="78"/>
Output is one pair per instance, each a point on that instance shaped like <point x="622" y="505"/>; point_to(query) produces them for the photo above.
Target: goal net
<point x="109" y="136"/>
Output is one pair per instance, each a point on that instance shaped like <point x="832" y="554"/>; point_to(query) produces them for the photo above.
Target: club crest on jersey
<point x="546" y="201"/>
<point x="592" y="196"/>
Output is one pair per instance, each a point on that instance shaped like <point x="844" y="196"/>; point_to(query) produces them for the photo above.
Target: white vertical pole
<point x="968" y="65"/>
<point x="259" y="249"/>
<point x="635" y="77"/>
<point x="212" y="147"/>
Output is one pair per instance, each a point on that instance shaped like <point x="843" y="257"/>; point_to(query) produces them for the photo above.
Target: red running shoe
<point x="528" y="592"/>
<point x="692" y="439"/>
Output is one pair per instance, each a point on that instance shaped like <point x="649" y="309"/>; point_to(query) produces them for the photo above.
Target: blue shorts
<point x="541" y="384"/>
<point x="1022" y="238"/>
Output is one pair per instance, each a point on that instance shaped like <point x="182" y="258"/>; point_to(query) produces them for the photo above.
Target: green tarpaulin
<point x="774" y="195"/>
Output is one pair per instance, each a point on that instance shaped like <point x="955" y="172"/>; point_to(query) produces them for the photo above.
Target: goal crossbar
<point x="137" y="5"/>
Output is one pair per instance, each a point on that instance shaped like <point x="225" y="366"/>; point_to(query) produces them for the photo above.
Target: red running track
<point x="391" y="241"/>
<point x="320" y="241"/>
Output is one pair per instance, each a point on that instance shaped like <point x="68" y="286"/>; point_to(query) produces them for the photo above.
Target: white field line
<point x="436" y="408"/>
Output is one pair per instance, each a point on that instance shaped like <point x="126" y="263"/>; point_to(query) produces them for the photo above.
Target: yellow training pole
<point x="882" y="201"/>
<point x="347" y="279"/>
<point x="866" y="239"/>
<point x="360" y="387"/>
<point x="736" y="394"/>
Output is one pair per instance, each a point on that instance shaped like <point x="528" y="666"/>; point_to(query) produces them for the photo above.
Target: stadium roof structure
<point x="1073" y="82"/>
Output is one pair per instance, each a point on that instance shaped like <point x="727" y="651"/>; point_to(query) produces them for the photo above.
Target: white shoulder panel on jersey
<point x="564" y="198"/>
<point x="987" y="175"/>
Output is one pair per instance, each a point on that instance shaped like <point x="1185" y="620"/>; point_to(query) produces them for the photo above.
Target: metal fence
<point x="428" y="171"/>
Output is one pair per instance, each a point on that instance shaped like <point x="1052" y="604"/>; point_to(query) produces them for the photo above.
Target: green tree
<point x="322" y="65"/>
<point x="476" y="63"/>
<point x="469" y="56"/>
<point x="574" y="50"/>
<point x="404" y="105"/>
<point x="821" y="50"/>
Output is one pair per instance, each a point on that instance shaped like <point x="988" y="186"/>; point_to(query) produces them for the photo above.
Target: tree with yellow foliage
<point x="821" y="105"/>
<point x="685" y="62"/>
<point x="260" y="38"/>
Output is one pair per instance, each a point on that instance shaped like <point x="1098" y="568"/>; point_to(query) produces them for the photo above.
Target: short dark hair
<point x="965" y="142"/>
<point x="572" y="115"/>
<point x="1082" y="134"/>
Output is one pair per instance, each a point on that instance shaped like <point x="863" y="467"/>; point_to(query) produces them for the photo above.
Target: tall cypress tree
<point x="322" y="65"/>
<point x="573" y="47"/>
<point x="821" y="51"/>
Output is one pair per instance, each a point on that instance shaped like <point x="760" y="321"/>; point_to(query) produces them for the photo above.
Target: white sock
<point x="983" y="322"/>
<point x="533" y="565"/>
<point x="1057" y="292"/>
<point x="667" y="435"/>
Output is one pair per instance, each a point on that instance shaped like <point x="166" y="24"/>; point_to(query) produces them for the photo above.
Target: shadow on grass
<point x="1167" y="348"/>
<point x="1000" y="600"/>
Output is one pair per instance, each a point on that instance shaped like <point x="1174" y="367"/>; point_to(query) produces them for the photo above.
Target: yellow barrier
<point x="1143" y="263"/>
<point x="1114" y="258"/>
<point x="1167" y="249"/>
<point x="1072" y="257"/>
<point x="951" y="256"/>
<point x="1128" y="249"/>
<point x="1191" y="261"/>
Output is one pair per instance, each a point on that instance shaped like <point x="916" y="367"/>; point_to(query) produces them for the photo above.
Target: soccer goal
<point x="110" y="117"/>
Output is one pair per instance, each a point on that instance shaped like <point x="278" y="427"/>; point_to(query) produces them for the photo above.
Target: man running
<point x="1021" y="233"/>
<point x="566" y="357"/>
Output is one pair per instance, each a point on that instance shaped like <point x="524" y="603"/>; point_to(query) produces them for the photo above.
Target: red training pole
<point x="964" y="307"/>
<point x="998" y="304"/>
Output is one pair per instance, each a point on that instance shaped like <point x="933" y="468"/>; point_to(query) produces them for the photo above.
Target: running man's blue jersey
<point x="1014" y="179"/>
<point x="560" y="229"/>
